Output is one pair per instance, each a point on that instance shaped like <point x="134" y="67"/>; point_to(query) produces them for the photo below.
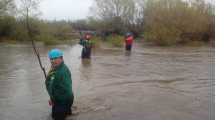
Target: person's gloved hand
<point x="50" y="103"/>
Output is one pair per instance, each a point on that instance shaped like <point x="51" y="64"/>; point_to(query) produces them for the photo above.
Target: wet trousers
<point x="128" y="47"/>
<point x="60" y="111"/>
<point x="86" y="53"/>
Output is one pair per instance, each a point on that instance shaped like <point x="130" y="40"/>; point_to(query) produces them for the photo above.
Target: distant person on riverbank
<point x="129" y="41"/>
<point x="87" y="46"/>
<point x="59" y="86"/>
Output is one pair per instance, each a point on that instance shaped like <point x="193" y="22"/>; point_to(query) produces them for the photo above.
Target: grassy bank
<point x="110" y="41"/>
<point x="196" y="43"/>
<point x="46" y="40"/>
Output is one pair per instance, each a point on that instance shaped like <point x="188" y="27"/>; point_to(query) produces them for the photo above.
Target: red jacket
<point x="129" y="40"/>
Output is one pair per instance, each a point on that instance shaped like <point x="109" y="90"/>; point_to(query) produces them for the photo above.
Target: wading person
<point x="128" y="41"/>
<point x="59" y="86"/>
<point x="87" y="46"/>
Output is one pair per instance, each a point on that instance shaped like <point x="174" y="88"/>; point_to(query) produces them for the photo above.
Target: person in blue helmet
<point x="59" y="86"/>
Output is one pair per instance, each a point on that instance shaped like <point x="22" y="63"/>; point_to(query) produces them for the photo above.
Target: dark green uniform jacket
<point x="85" y="43"/>
<point x="59" y="84"/>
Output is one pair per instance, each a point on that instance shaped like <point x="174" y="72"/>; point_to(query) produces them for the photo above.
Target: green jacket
<point x="59" y="84"/>
<point x="85" y="43"/>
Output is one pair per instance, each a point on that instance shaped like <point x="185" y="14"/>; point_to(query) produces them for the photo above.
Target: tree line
<point x="163" y="22"/>
<point x="14" y="21"/>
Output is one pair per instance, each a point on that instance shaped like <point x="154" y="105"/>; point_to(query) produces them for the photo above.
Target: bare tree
<point x="117" y="14"/>
<point x="7" y="7"/>
<point x="29" y="8"/>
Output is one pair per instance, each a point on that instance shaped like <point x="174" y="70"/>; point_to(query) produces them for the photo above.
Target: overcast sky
<point x="68" y="9"/>
<point x="65" y="9"/>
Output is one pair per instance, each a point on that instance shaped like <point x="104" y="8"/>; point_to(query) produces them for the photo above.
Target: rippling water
<point x="150" y="83"/>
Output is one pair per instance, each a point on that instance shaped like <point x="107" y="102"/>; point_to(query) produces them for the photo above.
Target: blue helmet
<point x="128" y="34"/>
<point x="55" y="53"/>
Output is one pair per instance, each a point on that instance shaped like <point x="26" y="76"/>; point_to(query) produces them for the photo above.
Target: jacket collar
<point x="59" y="66"/>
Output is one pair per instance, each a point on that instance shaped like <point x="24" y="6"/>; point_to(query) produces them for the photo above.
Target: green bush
<point x="7" y="24"/>
<point x="96" y="41"/>
<point x="115" y="40"/>
<point x="47" y="39"/>
<point x="162" y="36"/>
<point x="212" y="42"/>
<point x="167" y="21"/>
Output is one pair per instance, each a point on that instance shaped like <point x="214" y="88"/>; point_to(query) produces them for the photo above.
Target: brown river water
<point x="150" y="83"/>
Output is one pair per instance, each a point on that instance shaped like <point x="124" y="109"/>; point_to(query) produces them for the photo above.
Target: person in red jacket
<point x="129" y="41"/>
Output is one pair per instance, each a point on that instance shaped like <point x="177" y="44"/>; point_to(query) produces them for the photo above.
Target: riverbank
<point x="47" y="42"/>
<point x="111" y="42"/>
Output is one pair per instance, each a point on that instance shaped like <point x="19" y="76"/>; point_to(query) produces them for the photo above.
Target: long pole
<point x="34" y="46"/>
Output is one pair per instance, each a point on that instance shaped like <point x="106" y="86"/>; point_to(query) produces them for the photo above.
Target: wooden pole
<point x="34" y="46"/>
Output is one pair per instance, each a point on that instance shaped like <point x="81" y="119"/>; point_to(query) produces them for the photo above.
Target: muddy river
<point x="150" y="83"/>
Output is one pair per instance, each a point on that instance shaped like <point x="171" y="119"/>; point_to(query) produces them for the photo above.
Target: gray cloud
<point x="65" y="9"/>
<point x="69" y="9"/>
